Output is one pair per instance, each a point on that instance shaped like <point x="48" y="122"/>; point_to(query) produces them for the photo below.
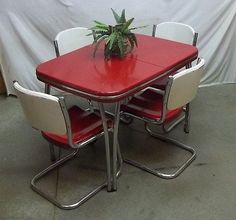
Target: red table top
<point x="108" y="81"/>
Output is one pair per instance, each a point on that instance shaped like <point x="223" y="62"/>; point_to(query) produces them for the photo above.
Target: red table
<point x="114" y="80"/>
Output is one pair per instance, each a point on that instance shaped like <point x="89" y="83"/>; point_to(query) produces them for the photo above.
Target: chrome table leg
<point x="107" y="145"/>
<point x="115" y="145"/>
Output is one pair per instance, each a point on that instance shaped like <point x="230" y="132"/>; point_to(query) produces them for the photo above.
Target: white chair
<point x="69" y="40"/>
<point x="71" y="128"/>
<point x="174" y="31"/>
<point x="179" y="32"/>
<point x="72" y="39"/>
<point x="153" y="106"/>
<point x="65" y="42"/>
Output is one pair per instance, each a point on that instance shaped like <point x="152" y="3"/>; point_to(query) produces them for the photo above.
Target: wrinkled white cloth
<point x="28" y="28"/>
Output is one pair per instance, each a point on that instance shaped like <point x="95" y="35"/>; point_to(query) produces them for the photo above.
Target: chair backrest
<point x="182" y="87"/>
<point x="43" y="111"/>
<point x="72" y="39"/>
<point x="175" y="31"/>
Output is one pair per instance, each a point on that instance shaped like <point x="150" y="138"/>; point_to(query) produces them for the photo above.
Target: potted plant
<point x="119" y="40"/>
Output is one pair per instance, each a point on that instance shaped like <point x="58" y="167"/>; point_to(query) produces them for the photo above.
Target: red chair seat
<point x="84" y="125"/>
<point x="149" y="105"/>
<point x="162" y="82"/>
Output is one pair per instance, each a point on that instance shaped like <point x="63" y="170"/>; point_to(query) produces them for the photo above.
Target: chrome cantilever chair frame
<point x="165" y="139"/>
<point x="198" y="69"/>
<point x="20" y="90"/>
<point x="69" y="157"/>
<point x="60" y="163"/>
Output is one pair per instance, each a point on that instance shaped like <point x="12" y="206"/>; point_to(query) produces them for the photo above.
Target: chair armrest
<point x="158" y="91"/>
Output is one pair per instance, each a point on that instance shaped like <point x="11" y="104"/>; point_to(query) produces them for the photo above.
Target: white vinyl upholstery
<point x="184" y="86"/>
<point x="175" y="31"/>
<point x="43" y="111"/>
<point x="72" y="39"/>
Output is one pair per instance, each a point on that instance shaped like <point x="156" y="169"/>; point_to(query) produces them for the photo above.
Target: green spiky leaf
<point x="127" y="24"/>
<point x="122" y="17"/>
<point x="111" y="39"/>
<point x="116" y="16"/>
<point x="99" y="23"/>
<point x="97" y="44"/>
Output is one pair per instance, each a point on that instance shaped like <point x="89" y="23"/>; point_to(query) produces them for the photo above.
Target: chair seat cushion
<point x="84" y="125"/>
<point x="149" y="104"/>
<point x="161" y="82"/>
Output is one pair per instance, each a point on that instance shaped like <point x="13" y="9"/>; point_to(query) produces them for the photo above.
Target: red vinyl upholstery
<point x="149" y="105"/>
<point x="161" y="82"/>
<point x="84" y="125"/>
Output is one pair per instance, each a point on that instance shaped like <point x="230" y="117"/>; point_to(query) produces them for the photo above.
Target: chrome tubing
<point x="107" y="146"/>
<point x="176" y="143"/>
<point x="52" y="199"/>
<point x="115" y="145"/>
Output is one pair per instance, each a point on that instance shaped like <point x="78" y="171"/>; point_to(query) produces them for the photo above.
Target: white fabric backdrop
<point x="28" y="28"/>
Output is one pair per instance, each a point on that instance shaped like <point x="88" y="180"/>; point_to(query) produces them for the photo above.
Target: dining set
<point x="155" y="84"/>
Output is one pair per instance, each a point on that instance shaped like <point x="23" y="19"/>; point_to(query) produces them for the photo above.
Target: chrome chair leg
<point x="52" y="199"/>
<point x="187" y="118"/>
<point x="170" y="127"/>
<point x="161" y="174"/>
<point x="126" y="119"/>
<point x="52" y="152"/>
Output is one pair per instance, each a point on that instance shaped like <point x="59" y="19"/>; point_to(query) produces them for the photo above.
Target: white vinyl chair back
<point x="183" y="86"/>
<point x="72" y="39"/>
<point x="175" y="31"/>
<point x="43" y="111"/>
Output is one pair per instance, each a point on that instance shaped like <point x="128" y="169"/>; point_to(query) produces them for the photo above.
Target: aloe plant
<point x="119" y="40"/>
